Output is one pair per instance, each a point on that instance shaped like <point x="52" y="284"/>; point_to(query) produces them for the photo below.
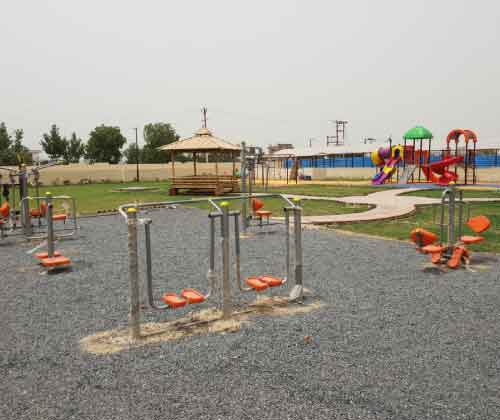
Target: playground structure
<point x="415" y="163"/>
<point x="190" y="296"/>
<point x="387" y="158"/>
<point x="450" y="247"/>
<point x="17" y="215"/>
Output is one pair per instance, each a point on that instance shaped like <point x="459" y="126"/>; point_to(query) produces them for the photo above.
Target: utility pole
<point x="204" y="120"/>
<point x="136" y="155"/>
<point x="339" y="132"/>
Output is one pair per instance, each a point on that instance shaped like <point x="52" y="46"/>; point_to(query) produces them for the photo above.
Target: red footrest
<point x="469" y="240"/>
<point x="192" y="296"/>
<point x="271" y="281"/>
<point x="256" y="283"/>
<point x="44" y="255"/>
<point x="54" y="262"/>
<point x="174" y="301"/>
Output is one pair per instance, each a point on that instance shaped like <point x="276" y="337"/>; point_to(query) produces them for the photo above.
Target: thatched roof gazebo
<point x="204" y="142"/>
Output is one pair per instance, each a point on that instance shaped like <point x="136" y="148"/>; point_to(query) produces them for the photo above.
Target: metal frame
<point x="129" y="211"/>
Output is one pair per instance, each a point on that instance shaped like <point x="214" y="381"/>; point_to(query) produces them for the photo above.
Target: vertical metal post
<point x="149" y="263"/>
<point x="451" y="218"/>
<point x="297" y="292"/>
<point x="237" y="249"/>
<point x="50" y="224"/>
<point x="243" y="173"/>
<point x="25" y="210"/>
<point x="134" y="319"/>
<point x="226" y="287"/>
<point x="287" y="241"/>
<point x="460" y="212"/>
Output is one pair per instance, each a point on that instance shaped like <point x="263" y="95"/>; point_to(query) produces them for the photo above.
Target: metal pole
<point x="297" y="293"/>
<point x="226" y="287"/>
<point x="451" y="219"/>
<point x="25" y="209"/>
<point x="287" y="242"/>
<point x="134" y="319"/>
<point x="244" y="186"/>
<point x="50" y="224"/>
<point x="137" y="155"/>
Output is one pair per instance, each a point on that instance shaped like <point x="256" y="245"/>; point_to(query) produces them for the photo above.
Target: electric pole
<point x="136" y="155"/>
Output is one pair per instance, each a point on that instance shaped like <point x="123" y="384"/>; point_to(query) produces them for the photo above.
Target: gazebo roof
<point x="417" y="133"/>
<point x="202" y="141"/>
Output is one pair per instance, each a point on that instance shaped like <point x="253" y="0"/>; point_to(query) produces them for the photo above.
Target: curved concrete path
<point x="387" y="204"/>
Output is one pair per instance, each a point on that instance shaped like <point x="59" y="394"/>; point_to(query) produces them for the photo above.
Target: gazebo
<point x="204" y="142"/>
<point x="411" y="155"/>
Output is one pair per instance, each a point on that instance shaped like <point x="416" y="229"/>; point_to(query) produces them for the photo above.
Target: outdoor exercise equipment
<point x="24" y="208"/>
<point x="189" y="296"/>
<point x="51" y="259"/>
<point x="387" y="159"/>
<point x="450" y="246"/>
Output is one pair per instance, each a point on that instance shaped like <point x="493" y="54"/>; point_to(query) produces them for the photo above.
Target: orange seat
<point x="59" y="217"/>
<point x="456" y="257"/>
<point x="271" y="281"/>
<point x="433" y="249"/>
<point x="174" y="301"/>
<point x="257" y="284"/>
<point x="469" y="240"/>
<point x="4" y="210"/>
<point x="44" y="255"/>
<point x="479" y="223"/>
<point x="422" y="237"/>
<point x="192" y="296"/>
<point x="54" y="262"/>
<point x="41" y="212"/>
<point x="436" y="257"/>
<point x="257" y="204"/>
<point x="263" y="213"/>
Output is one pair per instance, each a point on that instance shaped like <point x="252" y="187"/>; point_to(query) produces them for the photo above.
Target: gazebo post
<point x="216" y="163"/>
<point x="194" y="163"/>
<point x="173" y="164"/>
<point x="234" y="164"/>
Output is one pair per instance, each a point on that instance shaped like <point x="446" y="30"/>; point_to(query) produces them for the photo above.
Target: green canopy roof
<point x="417" y="133"/>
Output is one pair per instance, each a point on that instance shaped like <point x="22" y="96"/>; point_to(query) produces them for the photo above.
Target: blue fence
<point x="486" y="159"/>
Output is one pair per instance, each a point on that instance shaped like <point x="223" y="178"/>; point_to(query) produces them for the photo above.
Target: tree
<point x="131" y="154"/>
<point x="53" y="144"/>
<point x="104" y="144"/>
<point x="156" y="135"/>
<point x="75" y="149"/>
<point x="21" y="152"/>
<point x="6" y="154"/>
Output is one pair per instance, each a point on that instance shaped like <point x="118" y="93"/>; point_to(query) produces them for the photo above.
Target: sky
<point x="268" y="71"/>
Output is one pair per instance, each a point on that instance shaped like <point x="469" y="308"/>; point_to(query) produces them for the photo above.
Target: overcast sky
<point x="268" y="70"/>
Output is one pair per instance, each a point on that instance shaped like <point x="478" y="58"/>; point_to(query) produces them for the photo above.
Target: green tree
<point x="156" y="135"/>
<point x="53" y="144"/>
<point x="21" y="152"/>
<point x="131" y="154"/>
<point x="6" y="155"/>
<point x="75" y="149"/>
<point x="104" y="144"/>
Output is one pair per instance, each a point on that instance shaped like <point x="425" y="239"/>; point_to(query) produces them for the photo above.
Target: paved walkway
<point x="388" y="204"/>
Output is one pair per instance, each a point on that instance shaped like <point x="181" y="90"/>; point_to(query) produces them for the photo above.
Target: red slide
<point x="432" y="171"/>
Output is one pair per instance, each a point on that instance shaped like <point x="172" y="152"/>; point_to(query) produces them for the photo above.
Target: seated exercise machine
<point x="450" y="247"/>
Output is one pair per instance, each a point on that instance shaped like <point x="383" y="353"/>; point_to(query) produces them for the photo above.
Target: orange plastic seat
<point x="44" y="255"/>
<point x="479" y="223"/>
<point x="469" y="240"/>
<point x="256" y="283"/>
<point x="436" y="258"/>
<point x="4" y="210"/>
<point x="59" y="217"/>
<point x="263" y="213"/>
<point x="257" y="204"/>
<point x="456" y="257"/>
<point x="41" y="212"/>
<point x="54" y="262"/>
<point x="433" y="249"/>
<point x="174" y="301"/>
<point x="192" y="296"/>
<point x="271" y="281"/>
<point x="422" y="237"/>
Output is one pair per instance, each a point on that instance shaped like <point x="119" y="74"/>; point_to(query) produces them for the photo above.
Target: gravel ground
<point x="390" y="342"/>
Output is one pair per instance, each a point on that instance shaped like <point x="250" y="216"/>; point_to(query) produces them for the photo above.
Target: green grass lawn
<point x="468" y="193"/>
<point x="100" y="197"/>
<point x="324" y="190"/>
<point x="400" y="228"/>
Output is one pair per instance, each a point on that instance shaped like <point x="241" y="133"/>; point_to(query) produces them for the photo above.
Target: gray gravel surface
<point x="390" y="342"/>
